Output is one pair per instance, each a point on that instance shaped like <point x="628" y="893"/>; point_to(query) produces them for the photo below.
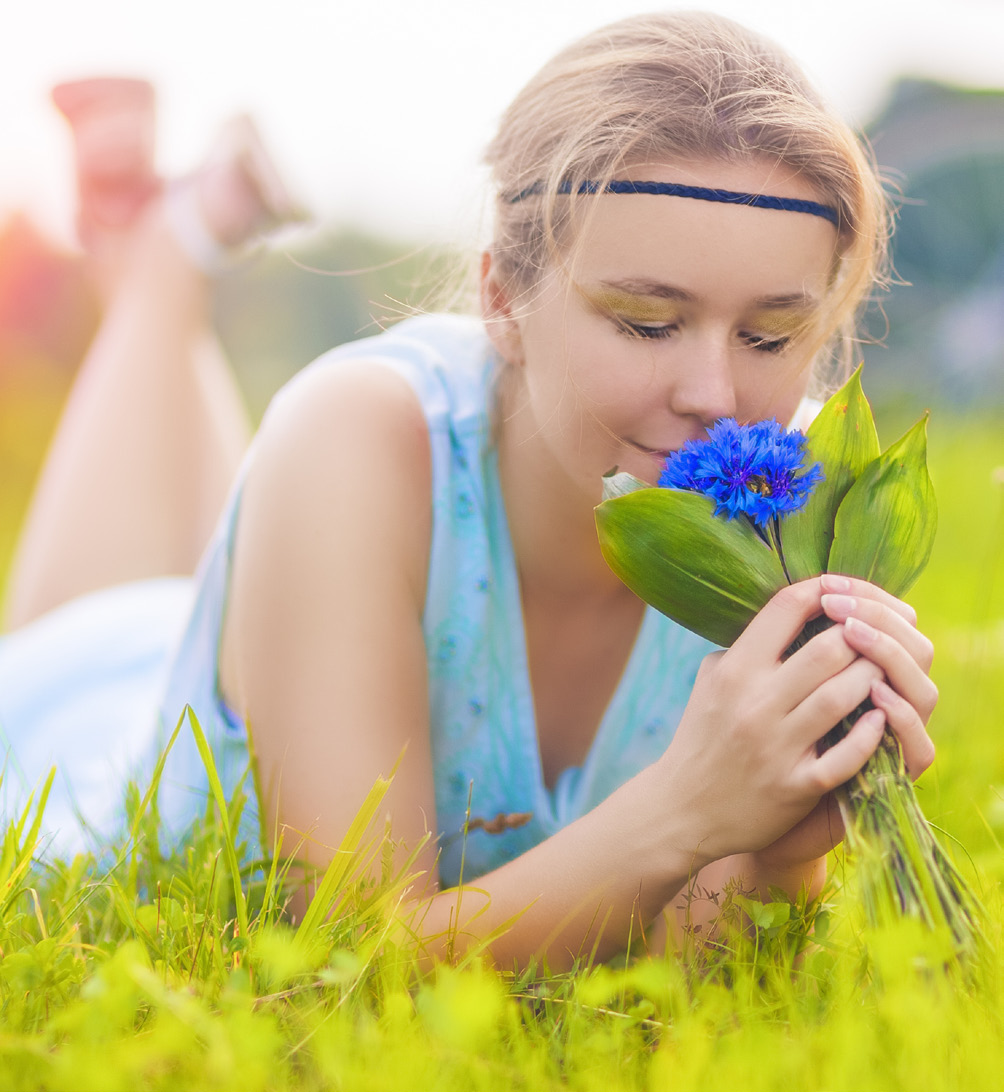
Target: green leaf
<point x="709" y="574"/>
<point x="844" y="440"/>
<point x="765" y="915"/>
<point x="885" y="527"/>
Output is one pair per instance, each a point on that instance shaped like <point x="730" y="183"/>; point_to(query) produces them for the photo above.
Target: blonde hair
<point x="680" y="85"/>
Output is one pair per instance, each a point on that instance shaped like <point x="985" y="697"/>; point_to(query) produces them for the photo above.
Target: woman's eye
<point x="646" y="329"/>
<point x="765" y="344"/>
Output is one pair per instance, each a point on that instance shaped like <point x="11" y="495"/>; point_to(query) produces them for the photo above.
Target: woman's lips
<point x="657" y="452"/>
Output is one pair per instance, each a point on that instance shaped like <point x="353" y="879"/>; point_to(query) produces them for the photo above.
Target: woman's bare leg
<point x="148" y="443"/>
<point x="154" y="426"/>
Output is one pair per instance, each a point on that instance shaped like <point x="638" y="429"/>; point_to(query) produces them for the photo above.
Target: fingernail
<point x="863" y="632"/>
<point x="838" y="607"/>
<point x="835" y="583"/>
<point x="876" y="719"/>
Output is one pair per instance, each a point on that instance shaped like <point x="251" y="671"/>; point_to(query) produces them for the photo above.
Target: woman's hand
<point x="881" y="628"/>
<point x="744" y="763"/>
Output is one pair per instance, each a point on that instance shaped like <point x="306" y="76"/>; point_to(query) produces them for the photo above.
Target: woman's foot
<point x="215" y="215"/>
<point x="113" y="125"/>
<point x="232" y="201"/>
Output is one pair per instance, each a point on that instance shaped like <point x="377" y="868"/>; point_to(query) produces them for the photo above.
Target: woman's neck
<point x="551" y="521"/>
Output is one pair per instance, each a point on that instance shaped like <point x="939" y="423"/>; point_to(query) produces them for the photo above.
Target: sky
<point x="377" y="110"/>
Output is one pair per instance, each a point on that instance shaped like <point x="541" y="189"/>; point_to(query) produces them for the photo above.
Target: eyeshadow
<point x="628" y="305"/>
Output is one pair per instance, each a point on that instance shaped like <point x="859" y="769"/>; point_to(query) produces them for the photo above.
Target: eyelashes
<point x="654" y="331"/>
<point x="766" y="344"/>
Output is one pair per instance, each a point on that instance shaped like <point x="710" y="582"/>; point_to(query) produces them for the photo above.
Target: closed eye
<point x="765" y="344"/>
<point x="650" y="330"/>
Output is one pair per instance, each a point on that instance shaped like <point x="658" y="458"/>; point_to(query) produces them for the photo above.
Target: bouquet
<point x="741" y="514"/>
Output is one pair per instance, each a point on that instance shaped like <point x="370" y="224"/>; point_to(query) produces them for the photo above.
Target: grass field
<point x="149" y="970"/>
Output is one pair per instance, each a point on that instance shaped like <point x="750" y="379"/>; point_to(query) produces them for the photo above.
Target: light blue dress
<point x="483" y="735"/>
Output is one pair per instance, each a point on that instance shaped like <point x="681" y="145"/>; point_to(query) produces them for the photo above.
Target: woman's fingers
<point x="839" y="607"/>
<point x="840" y="695"/>
<point x="905" y="675"/>
<point x="779" y="622"/>
<point x="902" y="718"/>
<point x="873" y="650"/>
<point x="843" y="760"/>
<point x="832" y="700"/>
<point x="852" y="585"/>
<point x="822" y="658"/>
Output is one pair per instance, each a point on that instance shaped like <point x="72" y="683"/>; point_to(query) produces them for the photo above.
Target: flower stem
<point x="775" y="540"/>
<point x="902" y="868"/>
<point x="770" y="533"/>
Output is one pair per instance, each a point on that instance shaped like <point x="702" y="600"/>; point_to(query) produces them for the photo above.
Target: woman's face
<point x="668" y="313"/>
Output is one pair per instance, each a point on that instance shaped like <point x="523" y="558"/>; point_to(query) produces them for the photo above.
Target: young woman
<point x="407" y="576"/>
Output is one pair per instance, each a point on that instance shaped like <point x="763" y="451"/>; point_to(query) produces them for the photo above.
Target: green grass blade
<point x="229" y="846"/>
<point x="346" y="857"/>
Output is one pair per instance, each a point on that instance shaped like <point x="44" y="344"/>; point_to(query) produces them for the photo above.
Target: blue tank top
<point x="483" y="734"/>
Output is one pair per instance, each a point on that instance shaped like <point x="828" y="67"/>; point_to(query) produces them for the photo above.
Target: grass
<point x="155" y="969"/>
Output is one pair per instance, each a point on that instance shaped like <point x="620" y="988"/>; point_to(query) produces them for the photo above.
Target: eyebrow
<point x="804" y="301"/>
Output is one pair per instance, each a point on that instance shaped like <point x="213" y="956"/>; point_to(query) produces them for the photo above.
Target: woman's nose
<point x="704" y="384"/>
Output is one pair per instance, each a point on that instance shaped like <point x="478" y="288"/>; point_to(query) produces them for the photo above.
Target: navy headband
<point x="702" y="193"/>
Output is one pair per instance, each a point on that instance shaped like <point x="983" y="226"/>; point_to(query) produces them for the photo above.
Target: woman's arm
<point x="324" y="655"/>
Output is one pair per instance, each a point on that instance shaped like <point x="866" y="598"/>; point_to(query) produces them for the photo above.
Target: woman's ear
<point x="498" y="313"/>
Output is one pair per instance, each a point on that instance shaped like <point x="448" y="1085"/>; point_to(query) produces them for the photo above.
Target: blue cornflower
<point x="750" y="470"/>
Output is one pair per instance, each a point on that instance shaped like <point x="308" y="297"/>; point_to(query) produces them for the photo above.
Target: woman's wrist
<point x="763" y="873"/>
<point x="672" y="839"/>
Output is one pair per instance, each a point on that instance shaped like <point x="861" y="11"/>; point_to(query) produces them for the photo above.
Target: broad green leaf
<point x="844" y="440"/>
<point x="708" y="573"/>
<point x="885" y="527"/>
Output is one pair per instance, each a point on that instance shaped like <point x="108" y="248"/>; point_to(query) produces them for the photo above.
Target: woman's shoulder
<point x="335" y="497"/>
<point x="335" y="402"/>
<point x="374" y="402"/>
<point x="359" y="431"/>
<point x="335" y="439"/>
<point x="444" y="358"/>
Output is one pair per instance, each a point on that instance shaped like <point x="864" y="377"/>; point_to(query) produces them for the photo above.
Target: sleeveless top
<point x="483" y="735"/>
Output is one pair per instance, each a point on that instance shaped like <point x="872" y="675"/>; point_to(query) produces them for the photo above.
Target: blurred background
<point x="376" y="114"/>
